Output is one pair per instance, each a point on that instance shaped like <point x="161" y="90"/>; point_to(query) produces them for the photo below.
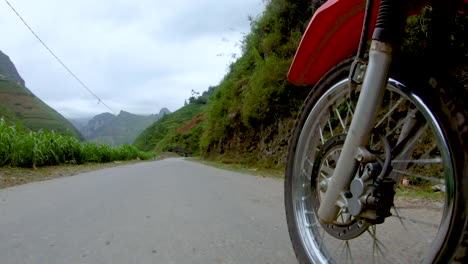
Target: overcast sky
<point x="136" y="55"/>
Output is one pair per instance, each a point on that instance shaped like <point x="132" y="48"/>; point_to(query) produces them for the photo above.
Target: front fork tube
<point x="369" y="102"/>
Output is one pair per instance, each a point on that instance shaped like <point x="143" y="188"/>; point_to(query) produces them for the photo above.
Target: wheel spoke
<point x="399" y="218"/>
<point x="348" y="253"/>
<point x="437" y="160"/>
<point x="343" y="125"/>
<point x="327" y="170"/>
<point x="398" y="126"/>
<point x="323" y="175"/>
<point x="311" y="164"/>
<point x="321" y="136"/>
<point x="306" y="175"/>
<point x="377" y="246"/>
<point x="418" y="150"/>
<point x="331" y="128"/>
<point x="404" y="150"/>
<point x="335" y="155"/>
<point x="416" y="226"/>
<point x="312" y="224"/>
<point x="350" y="109"/>
<point x="415" y="221"/>
<point x="427" y="178"/>
<point x="391" y="132"/>
<point x="390" y="112"/>
<point x="342" y="250"/>
<point x="344" y="216"/>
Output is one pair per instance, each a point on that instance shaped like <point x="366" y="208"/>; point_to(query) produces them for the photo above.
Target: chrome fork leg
<point x="369" y="102"/>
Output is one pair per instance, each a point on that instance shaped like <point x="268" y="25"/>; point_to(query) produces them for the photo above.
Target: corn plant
<point x="46" y="148"/>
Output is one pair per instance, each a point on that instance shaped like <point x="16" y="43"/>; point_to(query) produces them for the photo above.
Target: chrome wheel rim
<point x="331" y="115"/>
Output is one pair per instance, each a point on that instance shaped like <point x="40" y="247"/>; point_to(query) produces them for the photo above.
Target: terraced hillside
<point x="20" y="106"/>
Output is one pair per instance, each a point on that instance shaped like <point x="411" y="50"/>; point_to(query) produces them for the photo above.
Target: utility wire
<point x="59" y="60"/>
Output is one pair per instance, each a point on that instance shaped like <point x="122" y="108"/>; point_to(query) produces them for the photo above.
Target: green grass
<point x="422" y="192"/>
<point x="45" y="148"/>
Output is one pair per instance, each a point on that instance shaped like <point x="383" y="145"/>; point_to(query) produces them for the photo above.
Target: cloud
<point x="138" y="56"/>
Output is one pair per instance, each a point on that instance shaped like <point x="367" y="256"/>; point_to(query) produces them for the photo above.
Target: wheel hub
<point x="345" y="226"/>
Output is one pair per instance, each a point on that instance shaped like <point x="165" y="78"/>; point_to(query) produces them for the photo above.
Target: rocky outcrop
<point x="8" y="70"/>
<point x="118" y="129"/>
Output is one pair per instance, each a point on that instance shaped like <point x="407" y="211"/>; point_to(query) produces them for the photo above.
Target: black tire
<point x="452" y="117"/>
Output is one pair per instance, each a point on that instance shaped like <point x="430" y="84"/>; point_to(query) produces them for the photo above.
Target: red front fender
<point x="332" y="35"/>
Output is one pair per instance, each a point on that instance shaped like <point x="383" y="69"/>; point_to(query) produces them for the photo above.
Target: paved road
<point x="169" y="211"/>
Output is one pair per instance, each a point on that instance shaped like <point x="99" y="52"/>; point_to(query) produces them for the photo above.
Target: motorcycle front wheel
<point x="429" y="214"/>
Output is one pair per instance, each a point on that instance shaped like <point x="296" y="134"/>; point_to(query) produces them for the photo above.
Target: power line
<point x="59" y="60"/>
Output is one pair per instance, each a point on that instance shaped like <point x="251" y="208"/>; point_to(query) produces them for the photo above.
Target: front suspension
<point x="388" y="23"/>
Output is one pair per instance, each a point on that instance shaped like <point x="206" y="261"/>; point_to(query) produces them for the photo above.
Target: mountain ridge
<point x="8" y="70"/>
<point x="19" y="105"/>
<point x="116" y="129"/>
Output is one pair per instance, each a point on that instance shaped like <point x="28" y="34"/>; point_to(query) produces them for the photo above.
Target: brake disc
<point x="345" y="226"/>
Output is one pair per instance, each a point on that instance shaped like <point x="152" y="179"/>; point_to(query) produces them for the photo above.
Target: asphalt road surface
<point x="178" y="211"/>
<point x="169" y="211"/>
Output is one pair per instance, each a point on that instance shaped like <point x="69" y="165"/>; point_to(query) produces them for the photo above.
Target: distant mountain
<point x="19" y="105"/>
<point x="116" y="130"/>
<point x="164" y="111"/>
<point x="79" y="123"/>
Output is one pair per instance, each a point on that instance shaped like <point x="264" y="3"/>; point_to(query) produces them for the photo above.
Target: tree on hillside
<point x="196" y="98"/>
<point x="255" y="94"/>
<point x="251" y="112"/>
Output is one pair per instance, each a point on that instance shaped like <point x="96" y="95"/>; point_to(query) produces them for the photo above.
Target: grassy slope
<point x="168" y="132"/>
<point x="250" y="117"/>
<point x="252" y="114"/>
<point x="17" y="103"/>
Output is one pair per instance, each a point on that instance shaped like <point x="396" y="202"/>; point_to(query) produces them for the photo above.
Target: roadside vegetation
<point x="29" y="149"/>
<point x="180" y="131"/>
<point x="244" y="123"/>
<point x="248" y="117"/>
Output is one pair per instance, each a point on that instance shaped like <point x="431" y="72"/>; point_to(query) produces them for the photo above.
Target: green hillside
<point x="179" y="131"/>
<point x="19" y="105"/>
<point x="250" y="117"/>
